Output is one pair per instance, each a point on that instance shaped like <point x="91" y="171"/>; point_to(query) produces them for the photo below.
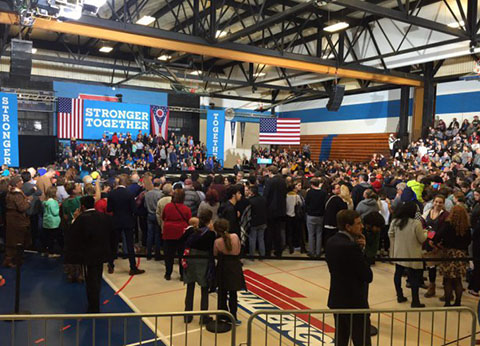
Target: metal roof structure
<point x="276" y="48"/>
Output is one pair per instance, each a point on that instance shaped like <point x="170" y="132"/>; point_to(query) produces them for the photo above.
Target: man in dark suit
<point x="89" y="242"/>
<point x="122" y="204"/>
<point x="275" y="193"/>
<point x="350" y="275"/>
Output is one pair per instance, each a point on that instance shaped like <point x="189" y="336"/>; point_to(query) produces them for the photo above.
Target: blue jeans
<point x="153" y="235"/>
<point x="315" y="230"/>
<point x="257" y="234"/>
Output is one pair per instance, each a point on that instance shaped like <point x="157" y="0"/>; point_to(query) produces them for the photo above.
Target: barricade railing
<point x="416" y="327"/>
<point x="126" y="329"/>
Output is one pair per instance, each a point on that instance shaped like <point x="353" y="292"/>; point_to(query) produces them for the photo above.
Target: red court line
<point x="273" y="284"/>
<point x="288" y="306"/>
<point x="270" y="290"/>
<point x="129" y="279"/>
<point x="39" y="341"/>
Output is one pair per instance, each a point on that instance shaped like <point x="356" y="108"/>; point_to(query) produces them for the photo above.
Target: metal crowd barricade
<point x="419" y="327"/>
<point x="125" y="329"/>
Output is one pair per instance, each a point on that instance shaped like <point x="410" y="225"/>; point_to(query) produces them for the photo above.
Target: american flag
<point x="279" y="131"/>
<point x="70" y="118"/>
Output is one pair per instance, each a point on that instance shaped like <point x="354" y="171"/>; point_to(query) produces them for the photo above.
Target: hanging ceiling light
<point x="336" y="27"/>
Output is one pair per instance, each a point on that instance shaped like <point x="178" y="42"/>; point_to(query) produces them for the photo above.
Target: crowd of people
<point x="424" y="202"/>
<point x="143" y="152"/>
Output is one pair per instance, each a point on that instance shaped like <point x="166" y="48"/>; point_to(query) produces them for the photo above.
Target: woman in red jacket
<point x="175" y="218"/>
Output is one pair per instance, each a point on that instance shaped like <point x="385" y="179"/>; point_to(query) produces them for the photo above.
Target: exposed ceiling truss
<point x="384" y="38"/>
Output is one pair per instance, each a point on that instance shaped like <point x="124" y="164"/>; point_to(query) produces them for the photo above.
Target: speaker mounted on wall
<point x="21" y="58"/>
<point x="336" y="98"/>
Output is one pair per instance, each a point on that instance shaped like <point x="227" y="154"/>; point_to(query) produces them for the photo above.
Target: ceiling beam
<point x="156" y="38"/>
<point x="400" y="16"/>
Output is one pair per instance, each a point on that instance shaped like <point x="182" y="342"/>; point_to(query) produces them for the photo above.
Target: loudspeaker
<point x="336" y="98"/>
<point x="21" y="58"/>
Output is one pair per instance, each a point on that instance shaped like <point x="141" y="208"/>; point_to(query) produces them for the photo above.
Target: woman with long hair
<point x="230" y="277"/>
<point x="434" y="221"/>
<point x="346" y="196"/>
<point x="454" y="238"/>
<point x="406" y="239"/>
<point x="211" y="203"/>
<point x="199" y="242"/>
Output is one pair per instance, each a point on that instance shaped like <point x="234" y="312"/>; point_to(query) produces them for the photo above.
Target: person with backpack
<point x="198" y="242"/>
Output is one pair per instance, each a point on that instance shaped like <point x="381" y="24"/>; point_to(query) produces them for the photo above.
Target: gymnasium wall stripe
<point x="458" y="103"/>
<point x="374" y="110"/>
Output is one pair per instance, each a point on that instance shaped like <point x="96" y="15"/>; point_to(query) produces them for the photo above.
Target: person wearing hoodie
<point x="359" y="189"/>
<point x="417" y="187"/>
<point x="369" y="204"/>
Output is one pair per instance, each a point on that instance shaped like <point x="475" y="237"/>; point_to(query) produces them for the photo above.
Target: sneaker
<point x="473" y="293"/>
<point x="238" y="322"/>
<point x="136" y="271"/>
<point x="167" y="277"/>
<point x="401" y="299"/>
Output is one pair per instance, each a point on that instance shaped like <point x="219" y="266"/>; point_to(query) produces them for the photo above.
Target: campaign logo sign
<point x="9" y="130"/>
<point x="108" y="117"/>
<point x="216" y="134"/>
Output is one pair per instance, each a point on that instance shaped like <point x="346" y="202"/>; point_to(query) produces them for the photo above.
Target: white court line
<point x="168" y="337"/>
<point x="132" y="306"/>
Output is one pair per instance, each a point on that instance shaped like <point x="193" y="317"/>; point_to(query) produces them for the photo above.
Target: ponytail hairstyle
<point x="221" y="227"/>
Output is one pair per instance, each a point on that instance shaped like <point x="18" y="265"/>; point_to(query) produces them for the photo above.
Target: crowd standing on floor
<point x="424" y="202"/>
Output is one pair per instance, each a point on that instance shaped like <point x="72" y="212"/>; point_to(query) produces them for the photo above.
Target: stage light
<point x="106" y="49"/>
<point x="164" y="57"/>
<point x="196" y="73"/>
<point x="456" y="25"/>
<point x="336" y="27"/>
<point x="259" y="74"/>
<point x="145" y="20"/>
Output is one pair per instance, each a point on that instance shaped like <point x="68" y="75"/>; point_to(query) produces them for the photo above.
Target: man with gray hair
<point x="397" y="202"/>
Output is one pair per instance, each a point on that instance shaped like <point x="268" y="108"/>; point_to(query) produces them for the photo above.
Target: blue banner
<point x="216" y="134"/>
<point x="9" y="130"/>
<point x="101" y="117"/>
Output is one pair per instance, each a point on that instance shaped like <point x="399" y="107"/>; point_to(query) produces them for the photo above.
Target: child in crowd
<point x="51" y="222"/>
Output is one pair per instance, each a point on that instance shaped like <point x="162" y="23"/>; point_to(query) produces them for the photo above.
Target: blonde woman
<point x="346" y="196"/>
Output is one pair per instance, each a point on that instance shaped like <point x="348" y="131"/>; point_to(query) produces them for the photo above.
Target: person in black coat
<point x="275" y="193"/>
<point x="350" y="275"/>
<point x="229" y="211"/>
<point x="359" y="189"/>
<point x="333" y="205"/>
<point x="90" y="243"/>
<point x="122" y="203"/>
